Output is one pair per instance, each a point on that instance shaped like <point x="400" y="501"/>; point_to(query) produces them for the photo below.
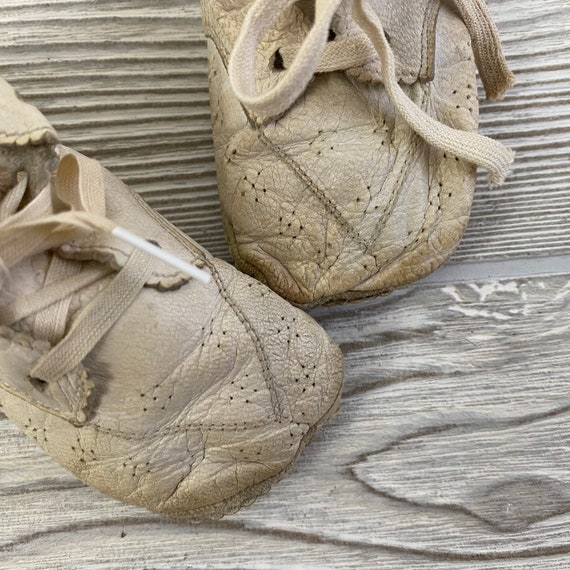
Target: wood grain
<point x="451" y="450"/>
<point x="486" y="472"/>
<point x="528" y="215"/>
<point x="452" y="446"/>
<point x="126" y="82"/>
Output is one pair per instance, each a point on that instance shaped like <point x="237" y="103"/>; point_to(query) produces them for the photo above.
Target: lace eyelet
<point x="38" y="383"/>
<point x="277" y="63"/>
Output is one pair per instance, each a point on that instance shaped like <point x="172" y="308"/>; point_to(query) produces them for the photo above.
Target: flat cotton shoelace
<point x="316" y="54"/>
<point x="36" y="228"/>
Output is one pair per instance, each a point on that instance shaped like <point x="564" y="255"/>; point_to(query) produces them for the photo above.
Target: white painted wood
<point x="452" y="446"/>
<point x="528" y="215"/>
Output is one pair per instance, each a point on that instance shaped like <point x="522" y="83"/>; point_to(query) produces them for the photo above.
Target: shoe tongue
<point x="127" y="210"/>
<point x="409" y="26"/>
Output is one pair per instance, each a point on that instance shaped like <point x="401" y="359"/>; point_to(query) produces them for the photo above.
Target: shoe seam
<point x="325" y="200"/>
<point x="277" y="405"/>
<point x="178" y="428"/>
<point x="320" y="194"/>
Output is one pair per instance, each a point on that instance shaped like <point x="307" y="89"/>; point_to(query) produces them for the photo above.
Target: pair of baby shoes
<point x="346" y="148"/>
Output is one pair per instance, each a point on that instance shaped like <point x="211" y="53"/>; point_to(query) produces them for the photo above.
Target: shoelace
<point x="316" y="54"/>
<point x="36" y="228"/>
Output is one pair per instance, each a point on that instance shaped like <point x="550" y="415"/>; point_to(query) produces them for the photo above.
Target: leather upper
<point x="338" y="198"/>
<point x="196" y="399"/>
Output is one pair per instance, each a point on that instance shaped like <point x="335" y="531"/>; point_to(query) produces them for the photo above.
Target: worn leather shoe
<point x="150" y="386"/>
<point x="346" y="137"/>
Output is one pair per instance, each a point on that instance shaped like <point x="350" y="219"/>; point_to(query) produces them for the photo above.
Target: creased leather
<point x="66" y="398"/>
<point x="25" y="129"/>
<point x="21" y="123"/>
<point x="338" y="199"/>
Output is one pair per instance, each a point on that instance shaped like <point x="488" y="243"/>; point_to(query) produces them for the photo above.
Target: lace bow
<point x="316" y="54"/>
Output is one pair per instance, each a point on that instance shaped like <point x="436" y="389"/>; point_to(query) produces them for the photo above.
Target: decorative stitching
<point x="321" y="196"/>
<point x="183" y="428"/>
<point x="276" y="404"/>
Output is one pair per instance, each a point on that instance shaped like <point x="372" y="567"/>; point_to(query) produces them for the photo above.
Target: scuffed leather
<point x="66" y="398"/>
<point x="24" y="128"/>
<point x="338" y="199"/>
<point x="195" y="401"/>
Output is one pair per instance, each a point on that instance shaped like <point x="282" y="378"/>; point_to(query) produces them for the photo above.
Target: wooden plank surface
<point x="455" y="455"/>
<point x="125" y="81"/>
<point x="452" y="446"/>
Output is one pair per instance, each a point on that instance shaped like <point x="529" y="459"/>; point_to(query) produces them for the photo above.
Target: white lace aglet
<point x="173" y="260"/>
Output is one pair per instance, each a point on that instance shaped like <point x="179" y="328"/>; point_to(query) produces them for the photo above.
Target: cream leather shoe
<point x="156" y="389"/>
<point x="345" y="137"/>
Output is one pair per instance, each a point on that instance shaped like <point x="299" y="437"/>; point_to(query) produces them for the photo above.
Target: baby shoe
<point x="345" y="137"/>
<point x="185" y="398"/>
